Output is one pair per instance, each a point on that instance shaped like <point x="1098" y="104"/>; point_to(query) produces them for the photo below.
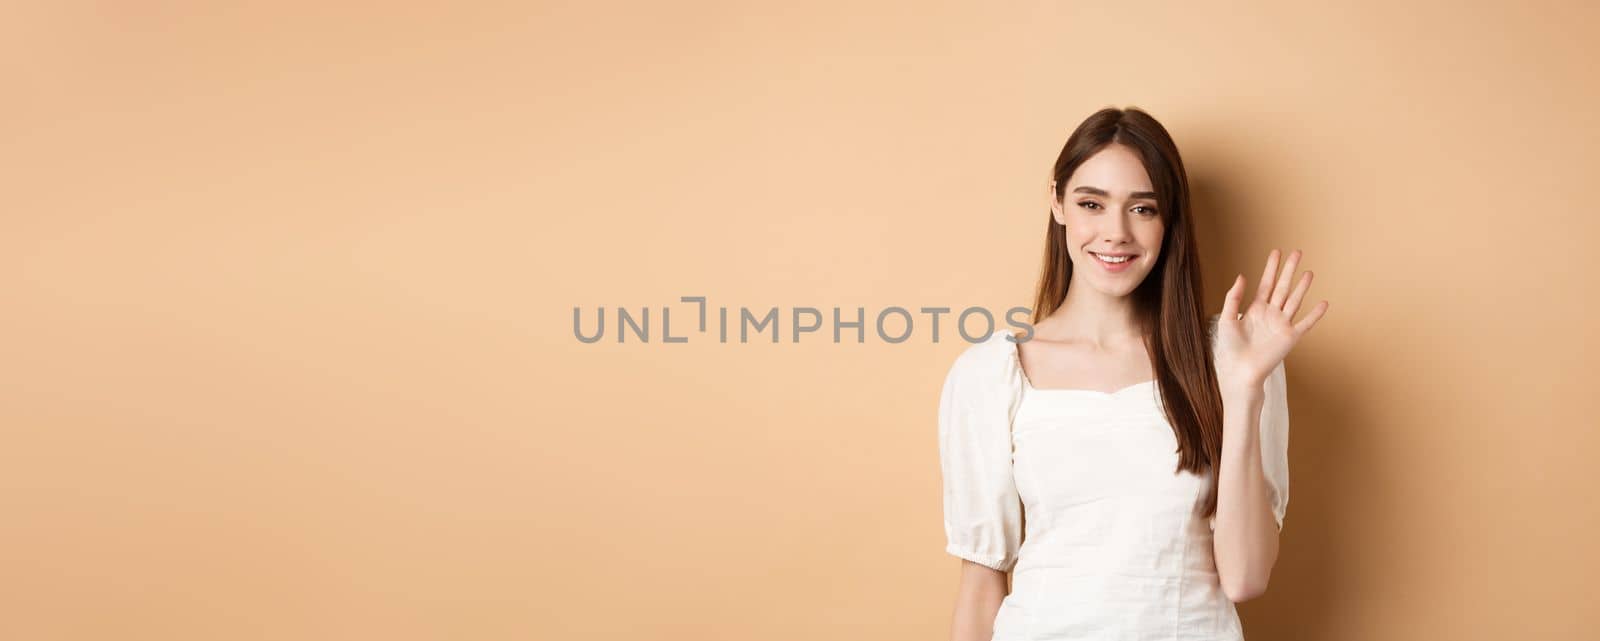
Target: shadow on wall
<point x="1314" y="568"/>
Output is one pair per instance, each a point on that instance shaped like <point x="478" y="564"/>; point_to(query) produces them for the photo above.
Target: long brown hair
<point x="1169" y="304"/>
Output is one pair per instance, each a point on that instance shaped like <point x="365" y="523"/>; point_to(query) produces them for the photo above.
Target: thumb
<point x="1230" y="303"/>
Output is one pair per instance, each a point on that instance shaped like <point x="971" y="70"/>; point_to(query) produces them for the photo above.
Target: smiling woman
<point x="1099" y="213"/>
<point x="1127" y="463"/>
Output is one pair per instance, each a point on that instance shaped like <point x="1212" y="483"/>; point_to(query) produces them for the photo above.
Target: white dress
<point x="1114" y="547"/>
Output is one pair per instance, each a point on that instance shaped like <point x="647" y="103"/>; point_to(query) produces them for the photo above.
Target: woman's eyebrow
<point x="1101" y="192"/>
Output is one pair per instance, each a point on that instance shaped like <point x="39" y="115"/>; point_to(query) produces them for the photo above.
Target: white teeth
<point x="1113" y="259"/>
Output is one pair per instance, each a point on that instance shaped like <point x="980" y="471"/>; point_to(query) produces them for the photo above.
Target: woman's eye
<point x="1146" y="210"/>
<point x="1089" y="204"/>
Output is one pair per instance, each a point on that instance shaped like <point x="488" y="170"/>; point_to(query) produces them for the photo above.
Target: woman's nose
<point x="1116" y="228"/>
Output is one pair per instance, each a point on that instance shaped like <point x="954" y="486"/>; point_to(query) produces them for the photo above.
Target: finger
<point x="1230" y="302"/>
<point x="1311" y="318"/>
<point x="1264" y="287"/>
<point x="1292" y="306"/>
<point x="1280" y="291"/>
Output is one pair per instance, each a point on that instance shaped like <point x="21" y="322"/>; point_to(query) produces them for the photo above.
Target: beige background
<point x="288" y="353"/>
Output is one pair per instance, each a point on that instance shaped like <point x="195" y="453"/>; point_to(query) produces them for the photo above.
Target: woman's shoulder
<point x="985" y="373"/>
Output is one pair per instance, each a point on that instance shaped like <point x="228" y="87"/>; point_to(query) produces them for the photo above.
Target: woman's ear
<point x="1055" y="206"/>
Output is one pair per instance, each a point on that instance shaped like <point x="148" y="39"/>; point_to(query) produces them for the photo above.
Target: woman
<point x="1125" y="462"/>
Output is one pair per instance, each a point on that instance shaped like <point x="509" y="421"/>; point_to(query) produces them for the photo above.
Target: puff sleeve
<point x="1274" y="431"/>
<point x="982" y="510"/>
<point x="1275" y="441"/>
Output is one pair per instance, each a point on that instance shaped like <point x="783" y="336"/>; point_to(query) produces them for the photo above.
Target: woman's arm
<point x="978" y="597"/>
<point x="1250" y="347"/>
<point x="1245" y="541"/>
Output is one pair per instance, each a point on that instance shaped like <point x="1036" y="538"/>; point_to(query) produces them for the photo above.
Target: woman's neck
<point x="1090" y="317"/>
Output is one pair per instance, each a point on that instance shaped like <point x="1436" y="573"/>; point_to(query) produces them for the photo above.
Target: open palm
<point x="1252" y="343"/>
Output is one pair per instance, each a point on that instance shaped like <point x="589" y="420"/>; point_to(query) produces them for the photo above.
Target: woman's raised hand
<point x="1251" y="342"/>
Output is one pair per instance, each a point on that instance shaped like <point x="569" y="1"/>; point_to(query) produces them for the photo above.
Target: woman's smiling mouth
<point x="1113" y="262"/>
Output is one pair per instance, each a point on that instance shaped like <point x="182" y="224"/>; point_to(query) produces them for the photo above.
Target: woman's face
<point x="1109" y="210"/>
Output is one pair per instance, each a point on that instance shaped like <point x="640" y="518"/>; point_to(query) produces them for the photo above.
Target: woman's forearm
<point x="1245" y="542"/>
<point x="978" y="598"/>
